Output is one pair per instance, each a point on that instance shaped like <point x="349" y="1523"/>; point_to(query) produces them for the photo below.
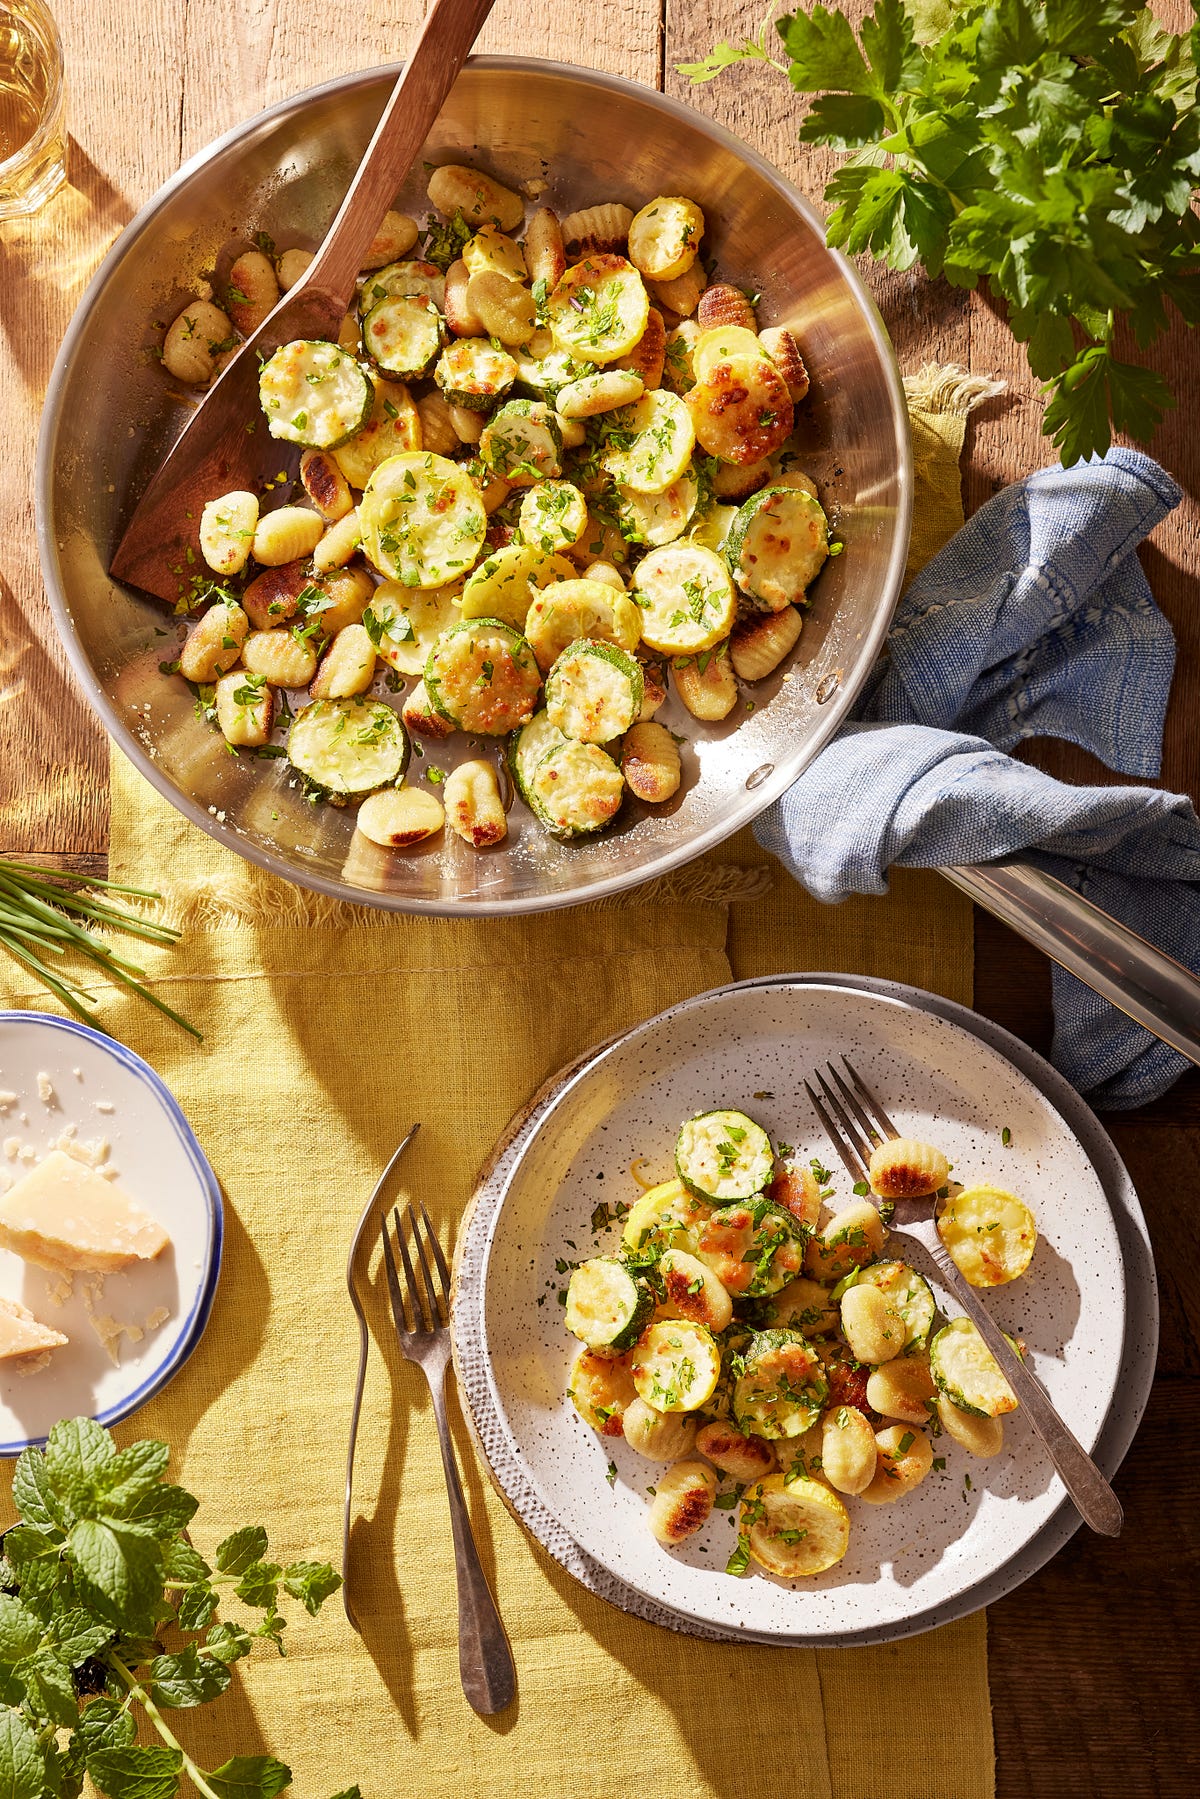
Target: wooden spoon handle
<point x="446" y="39"/>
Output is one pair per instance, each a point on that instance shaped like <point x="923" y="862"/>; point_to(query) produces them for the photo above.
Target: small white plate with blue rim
<point x="911" y="1563"/>
<point x="61" y="1083"/>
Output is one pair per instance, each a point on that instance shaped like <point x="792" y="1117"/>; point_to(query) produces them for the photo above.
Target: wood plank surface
<point x="1097" y="1650"/>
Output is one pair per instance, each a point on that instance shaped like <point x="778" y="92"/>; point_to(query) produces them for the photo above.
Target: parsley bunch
<point x="1051" y="149"/>
<point x="98" y="1571"/>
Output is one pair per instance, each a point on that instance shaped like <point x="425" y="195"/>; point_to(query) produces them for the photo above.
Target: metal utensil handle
<point x="1143" y="982"/>
<point x="446" y="39"/>
<point x="1091" y="1494"/>
<point x="485" y="1663"/>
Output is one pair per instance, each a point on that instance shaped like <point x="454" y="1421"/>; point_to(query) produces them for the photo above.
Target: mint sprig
<point x="105" y="1608"/>
<point x="1049" y="148"/>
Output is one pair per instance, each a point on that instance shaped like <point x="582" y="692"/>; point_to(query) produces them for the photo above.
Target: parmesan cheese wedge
<point x="65" y="1216"/>
<point x="21" y="1334"/>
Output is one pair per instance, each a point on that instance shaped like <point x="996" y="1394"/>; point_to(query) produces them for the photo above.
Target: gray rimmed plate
<point x="948" y="1549"/>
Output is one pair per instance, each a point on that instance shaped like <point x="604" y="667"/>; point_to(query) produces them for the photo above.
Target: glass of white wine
<point x="33" y="142"/>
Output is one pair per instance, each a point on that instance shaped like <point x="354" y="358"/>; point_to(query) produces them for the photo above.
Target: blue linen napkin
<point x="1034" y="621"/>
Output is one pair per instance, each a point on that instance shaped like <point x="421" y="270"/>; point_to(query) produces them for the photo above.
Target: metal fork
<point x="485" y="1663"/>
<point x="861" y="1119"/>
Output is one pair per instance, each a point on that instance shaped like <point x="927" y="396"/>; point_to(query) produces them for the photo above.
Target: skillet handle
<point x="1143" y="982"/>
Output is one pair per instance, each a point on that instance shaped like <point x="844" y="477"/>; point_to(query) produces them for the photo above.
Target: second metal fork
<point x="421" y="1312"/>
<point x="860" y="1118"/>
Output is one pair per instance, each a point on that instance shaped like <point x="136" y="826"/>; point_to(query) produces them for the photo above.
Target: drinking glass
<point x="33" y="143"/>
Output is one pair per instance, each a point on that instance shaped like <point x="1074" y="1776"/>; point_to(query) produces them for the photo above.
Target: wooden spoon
<point x="215" y="452"/>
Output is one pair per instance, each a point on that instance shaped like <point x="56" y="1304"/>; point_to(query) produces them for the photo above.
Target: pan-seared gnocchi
<point x="784" y="1396"/>
<point x="538" y="429"/>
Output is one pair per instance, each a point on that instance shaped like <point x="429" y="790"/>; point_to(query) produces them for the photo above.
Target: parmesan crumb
<point x="7" y="1101"/>
<point x="158" y="1316"/>
<point x="60" y="1289"/>
<point x="78" y="1073"/>
<point x="27" y="1153"/>
<point x="104" y="1105"/>
<point x="11" y="1146"/>
<point x="30" y="1364"/>
<point x="45" y="1087"/>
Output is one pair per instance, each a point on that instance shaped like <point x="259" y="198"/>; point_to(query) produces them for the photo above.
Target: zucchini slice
<point x="526" y="749"/>
<point x="402" y="335"/>
<point x="967" y="1372"/>
<point x="393" y="426"/>
<point x="654" y="443"/>
<point x="313" y="393"/>
<point x="741" y="411"/>
<point x="346" y="749"/>
<point x="545" y="370"/>
<point x="908" y="1292"/>
<point x="990" y="1234"/>
<point x="607" y="1307"/>
<point x="776" y="546"/>
<point x="724" y="1156"/>
<point x="676" y="1366"/>
<point x="665" y="1216"/>
<point x="410" y="280"/>
<point x="522" y="443"/>
<point x="481" y="675"/>
<point x="782" y="1386"/>
<point x="554" y="516"/>
<point x="506" y="582"/>
<point x="600" y="1389"/>
<point x="720" y="343"/>
<point x="474" y="373"/>
<point x="687" y="599"/>
<point x="599" y="309"/>
<point x="576" y="789"/>
<point x="404" y="623"/>
<point x="594" y="691"/>
<point x="794" y="1526"/>
<point x="423" y="519"/>
<point x="565" y="611"/>
<point x="754" y="1248"/>
<point x="659" y="518"/>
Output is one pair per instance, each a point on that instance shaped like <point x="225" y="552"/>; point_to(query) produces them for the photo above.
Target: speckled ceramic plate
<point x="103" y="1095"/>
<point x="949" y="1547"/>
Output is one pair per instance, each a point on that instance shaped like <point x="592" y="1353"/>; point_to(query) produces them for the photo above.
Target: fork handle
<point x="1090" y="1493"/>
<point x="485" y="1663"/>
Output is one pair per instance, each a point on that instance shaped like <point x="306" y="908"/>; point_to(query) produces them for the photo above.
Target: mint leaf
<point x="312" y="1582"/>
<point x="132" y="1473"/>
<point x="163" y="1511"/>
<point x="242" y="1549"/>
<point x="20" y="1631"/>
<point x="78" y="1451"/>
<point x="133" y="1773"/>
<point x="50" y="1688"/>
<point x="195" y="1606"/>
<point x="104" y="1724"/>
<point x="119" y="1572"/>
<point x="188" y="1678"/>
<point x="259" y="1585"/>
<point x="22" y="1769"/>
<point x="181" y="1562"/>
<point x="33" y="1492"/>
<point x="349" y="1793"/>
<point x="76" y="1635"/>
<point x="228" y="1642"/>
<point x="249" y="1777"/>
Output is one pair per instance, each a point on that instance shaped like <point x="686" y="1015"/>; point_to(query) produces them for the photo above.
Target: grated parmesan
<point x="45" y="1087"/>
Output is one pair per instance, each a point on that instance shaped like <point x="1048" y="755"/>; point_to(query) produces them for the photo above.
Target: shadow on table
<point x="46" y="261"/>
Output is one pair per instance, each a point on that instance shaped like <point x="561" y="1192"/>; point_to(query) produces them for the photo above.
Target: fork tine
<point x="430" y="1289"/>
<point x="420" y="1322"/>
<point x="861" y="1145"/>
<point x="855" y="1105"/>
<point x="393" y="1281"/>
<point x="436" y="1249"/>
<point x="849" y="1159"/>
<point x="871" y="1100"/>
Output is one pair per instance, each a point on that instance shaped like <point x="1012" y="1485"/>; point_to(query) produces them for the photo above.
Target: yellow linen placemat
<point x="327" y="1031"/>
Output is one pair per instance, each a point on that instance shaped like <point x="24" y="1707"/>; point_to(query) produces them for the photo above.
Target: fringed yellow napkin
<point x="327" y="1031"/>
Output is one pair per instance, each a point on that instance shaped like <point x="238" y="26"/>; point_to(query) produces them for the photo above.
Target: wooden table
<point x="1090" y="1672"/>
